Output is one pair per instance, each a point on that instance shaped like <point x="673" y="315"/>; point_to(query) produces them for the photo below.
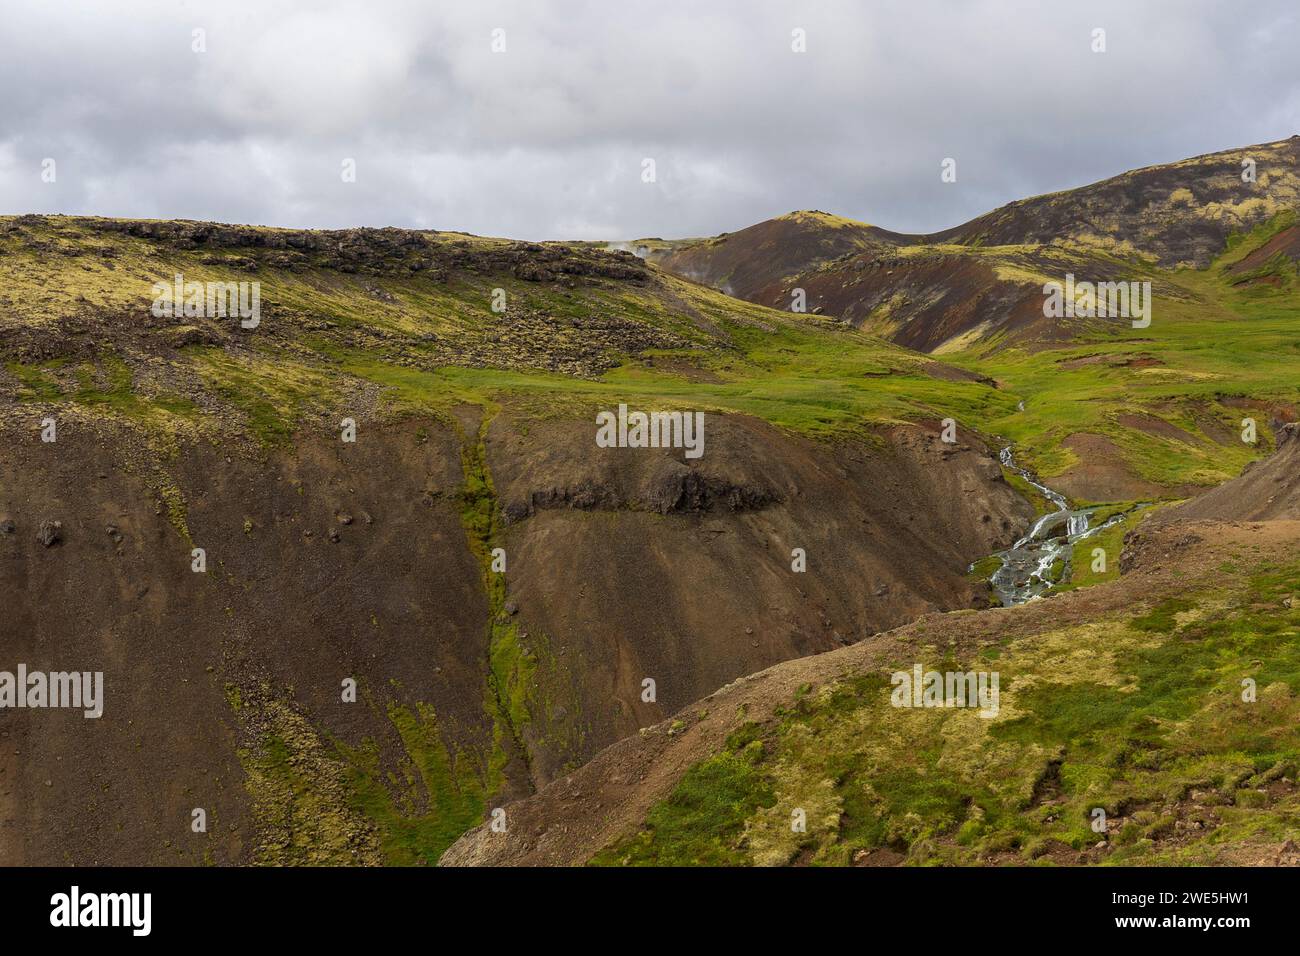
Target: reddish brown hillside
<point x="745" y="262"/>
<point x="983" y="279"/>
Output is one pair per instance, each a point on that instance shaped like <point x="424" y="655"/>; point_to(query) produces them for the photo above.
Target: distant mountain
<point x="982" y="281"/>
<point x="744" y="263"/>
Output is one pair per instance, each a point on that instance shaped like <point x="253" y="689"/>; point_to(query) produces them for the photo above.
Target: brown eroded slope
<point x="1267" y="490"/>
<point x="1184" y="565"/>
<point x="329" y="561"/>
<point x="707" y="593"/>
<point x="746" y="262"/>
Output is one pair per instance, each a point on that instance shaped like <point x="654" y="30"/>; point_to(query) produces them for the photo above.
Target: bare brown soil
<point x="1114" y="361"/>
<point x="1286" y="242"/>
<point x="1267" y="490"/>
<point x="1150" y="425"/>
<point x="745" y="262"/>
<point x="1101" y="474"/>
<point x="328" y="561"/>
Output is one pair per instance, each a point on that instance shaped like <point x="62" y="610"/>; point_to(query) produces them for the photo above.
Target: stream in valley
<point x="1027" y="566"/>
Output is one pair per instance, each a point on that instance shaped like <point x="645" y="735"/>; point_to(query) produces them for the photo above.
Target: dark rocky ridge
<point x="368" y="251"/>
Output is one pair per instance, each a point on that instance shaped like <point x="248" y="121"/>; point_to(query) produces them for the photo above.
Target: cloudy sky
<point x="547" y="138"/>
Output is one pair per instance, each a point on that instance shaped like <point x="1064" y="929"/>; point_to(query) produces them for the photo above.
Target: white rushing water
<point x="1026" y="570"/>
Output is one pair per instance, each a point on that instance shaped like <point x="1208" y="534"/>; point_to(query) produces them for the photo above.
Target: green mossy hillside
<point x="1181" y="723"/>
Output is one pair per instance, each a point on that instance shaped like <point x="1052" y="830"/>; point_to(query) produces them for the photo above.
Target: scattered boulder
<point x="183" y="335"/>
<point x="50" y="533"/>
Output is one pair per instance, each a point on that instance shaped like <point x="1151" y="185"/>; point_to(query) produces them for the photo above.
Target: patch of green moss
<point x="108" y="385"/>
<point x="1163" y="617"/>
<point x="300" y="808"/>
<point x="271" y="396"/>
<point x="174" y="501"/>
<point x="701" y="822"/>
<point x="321" y="801"/>
<point x="35" y="384"/>
<point x="429" y="801"/>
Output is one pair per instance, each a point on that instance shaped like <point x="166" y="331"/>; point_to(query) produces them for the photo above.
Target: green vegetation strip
<point x="1142" y="717"/>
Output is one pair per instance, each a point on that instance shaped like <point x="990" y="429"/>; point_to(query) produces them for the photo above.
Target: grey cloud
<point x="546" y="139"/>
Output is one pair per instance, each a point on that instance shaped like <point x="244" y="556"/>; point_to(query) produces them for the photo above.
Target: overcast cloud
<point x="546" y="140"/>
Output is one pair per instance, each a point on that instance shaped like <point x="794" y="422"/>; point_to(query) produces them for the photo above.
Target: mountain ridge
<point x="1140" y="223"/>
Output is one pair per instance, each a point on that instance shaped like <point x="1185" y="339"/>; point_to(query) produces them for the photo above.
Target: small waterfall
<point x="1040" y="559"/>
